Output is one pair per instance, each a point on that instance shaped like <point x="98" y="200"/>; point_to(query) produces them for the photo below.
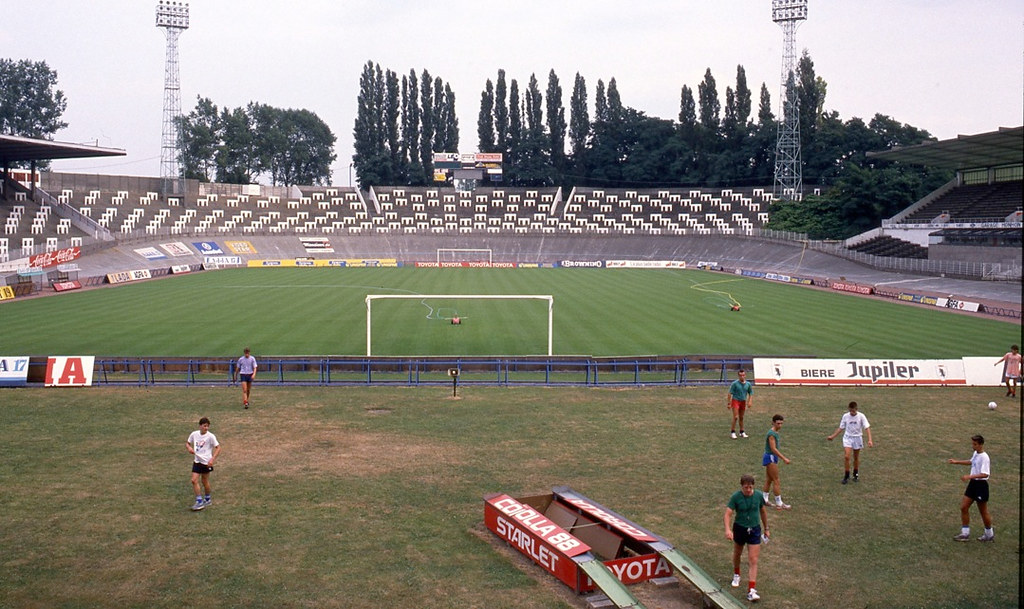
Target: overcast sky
<point x="947" y="66"/>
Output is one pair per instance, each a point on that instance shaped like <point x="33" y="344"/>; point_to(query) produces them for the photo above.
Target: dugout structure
<point x="371" y="297"/>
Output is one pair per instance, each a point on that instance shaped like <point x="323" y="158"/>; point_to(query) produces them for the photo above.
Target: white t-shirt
<point x="854" y="424"/>
<point x="247" y="365"/>
<point x="202" y="444"/>
<point x="980" y="464"/>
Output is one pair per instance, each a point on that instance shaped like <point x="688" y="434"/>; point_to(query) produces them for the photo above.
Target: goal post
<point x="371" y="297"/>
<point x="464" y="254"/>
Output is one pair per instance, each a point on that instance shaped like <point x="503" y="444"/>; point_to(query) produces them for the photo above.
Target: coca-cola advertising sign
<point x="54" y="258"/>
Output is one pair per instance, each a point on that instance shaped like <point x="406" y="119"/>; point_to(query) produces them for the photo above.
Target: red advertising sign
<point x="54" y="258"/>
<point x="64" y="286"/>
<point x="636" y="569"/>
<point x="852" y="287"/>
<point x="71" y="371"/>
<point x="468" y="265"/>
<point x="530" y="532"/>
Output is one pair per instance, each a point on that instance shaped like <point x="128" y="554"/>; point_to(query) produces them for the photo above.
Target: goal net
<point x="457" y="254"/>
<point x="501" y="317"/>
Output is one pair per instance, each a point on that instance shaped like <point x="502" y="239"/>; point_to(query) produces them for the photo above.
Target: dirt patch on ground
<point x="294" y="446"/>
<point x="679" y="596"/>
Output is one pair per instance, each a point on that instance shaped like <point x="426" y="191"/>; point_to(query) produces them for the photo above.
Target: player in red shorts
<point x="739" y="399"/>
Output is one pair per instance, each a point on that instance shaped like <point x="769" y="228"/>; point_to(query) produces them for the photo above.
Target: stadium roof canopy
<point x="15" y="149"/>
<point x="993" y="149"/>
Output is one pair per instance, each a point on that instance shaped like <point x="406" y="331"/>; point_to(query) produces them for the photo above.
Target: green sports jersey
<point x="748" y="509"/>
<point x="741" y="390"/>
<point x="767" y="444"/>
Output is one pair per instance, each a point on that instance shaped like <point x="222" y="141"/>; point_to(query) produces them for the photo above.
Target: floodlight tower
<point x="173" y="17"/>
<point x="788" y="165"/>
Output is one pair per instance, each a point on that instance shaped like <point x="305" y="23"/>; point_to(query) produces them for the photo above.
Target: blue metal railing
<point x="416" y="371"/>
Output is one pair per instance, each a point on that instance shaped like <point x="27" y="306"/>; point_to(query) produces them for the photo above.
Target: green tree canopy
<point x="239" y="145"/>
<point x="201" y="136"/>
<point x="30" y="103"/>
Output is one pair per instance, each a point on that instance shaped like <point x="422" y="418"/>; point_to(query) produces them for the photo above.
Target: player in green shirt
<point x="739" y="399"/>
<point x="750" y="524"/>
<point x="770" y="461"/>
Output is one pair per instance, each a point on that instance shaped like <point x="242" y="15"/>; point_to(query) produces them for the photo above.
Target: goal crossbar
<point x="371" y="297"/>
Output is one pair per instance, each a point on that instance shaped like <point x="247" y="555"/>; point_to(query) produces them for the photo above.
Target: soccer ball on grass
<point x="991" y="405"/>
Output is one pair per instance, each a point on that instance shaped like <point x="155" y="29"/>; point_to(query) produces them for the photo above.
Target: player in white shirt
<point x="246" y="370"/>
<point x="854" y="425"/>
<point x="205" y="448"/>
<point x="977" y="491"/>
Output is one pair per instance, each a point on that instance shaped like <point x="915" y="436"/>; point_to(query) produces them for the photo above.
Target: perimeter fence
<point x="418" y="371"/>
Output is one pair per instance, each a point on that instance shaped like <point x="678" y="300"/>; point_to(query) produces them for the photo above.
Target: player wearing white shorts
<point x="854" y="425"/>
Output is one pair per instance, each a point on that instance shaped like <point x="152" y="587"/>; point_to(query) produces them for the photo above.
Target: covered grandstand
<point x="975" y="217"/>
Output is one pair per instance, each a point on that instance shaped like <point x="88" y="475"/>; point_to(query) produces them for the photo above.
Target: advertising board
<point x="48" y="259"/>
<point x="13" y="370"/>
<point x="534" y="535"/>
<point x="871" y="372"/>
<point x="69" y="371"/>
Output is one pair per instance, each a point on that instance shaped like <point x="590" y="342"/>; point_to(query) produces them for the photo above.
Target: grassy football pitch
<point x="597" y="312"/>
<point x="372" y="496"/>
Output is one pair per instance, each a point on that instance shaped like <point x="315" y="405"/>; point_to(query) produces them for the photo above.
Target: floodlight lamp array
<point x="172" y="15"/>
<point x="789" y="10"/>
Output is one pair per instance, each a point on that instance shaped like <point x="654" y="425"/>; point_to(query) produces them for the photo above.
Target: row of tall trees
<point x="621" y="146"/>
<point x="399" y="124"/>
<point x="710" y="144"/>
<point x="243" y="145"/>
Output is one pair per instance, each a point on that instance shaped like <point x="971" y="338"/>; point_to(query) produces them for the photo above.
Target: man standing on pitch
<point x="748" y="506"/>
<point x="1011" y="369"/>
<point x="855" y="424"/>
<point x="738" y="399"/>
<point x="204" y="448"/>
<point x="977" y="490"/>
<point x="246" y="369"/>
<point x="770" y="461"/>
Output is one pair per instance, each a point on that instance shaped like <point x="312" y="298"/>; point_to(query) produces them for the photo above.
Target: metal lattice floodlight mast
<point x="788" y="164"/>
<point x="173" y="17"/>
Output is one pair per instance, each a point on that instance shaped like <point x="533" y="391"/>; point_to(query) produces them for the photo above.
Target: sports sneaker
<point x="733" y="435"/>
<point x="856" y="477"/>
<point x="207" y="502"/>
<point x="246" y="404"/>
<point x="736" y="580"/>
<point x="199" y="504"/>
<point x="782" y="506"/>
<point x="987" y="537"/>
<point x="962" y="537"/>
<point x="753" y="596"/>
<point x="846" y="480"/>
<point x="743" y="434"/>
